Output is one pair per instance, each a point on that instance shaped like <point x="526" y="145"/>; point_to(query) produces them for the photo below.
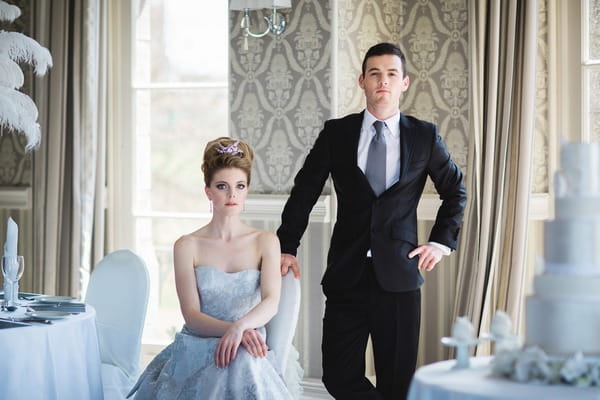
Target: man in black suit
<point x="372" y="281"/>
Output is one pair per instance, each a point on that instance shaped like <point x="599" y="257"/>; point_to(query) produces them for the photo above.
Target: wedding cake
<point x="563" y="314"/>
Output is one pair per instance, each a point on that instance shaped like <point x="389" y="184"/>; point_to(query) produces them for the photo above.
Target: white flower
<point x="595" y="373"/>
<point x="528" y="365"/>
<point x="574" y="369"/>
<point x="503" y="363"/>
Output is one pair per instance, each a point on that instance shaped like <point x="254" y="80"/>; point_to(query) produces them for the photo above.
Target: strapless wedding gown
<point x="186" y="368"/>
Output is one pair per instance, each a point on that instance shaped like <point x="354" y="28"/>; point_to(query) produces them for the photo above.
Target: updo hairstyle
<point x="226" y="152"/>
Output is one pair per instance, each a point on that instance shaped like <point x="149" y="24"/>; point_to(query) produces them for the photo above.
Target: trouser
<point x="392" y="320"/>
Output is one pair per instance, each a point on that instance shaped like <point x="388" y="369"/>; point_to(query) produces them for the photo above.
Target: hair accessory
<point x="232" y="149"/>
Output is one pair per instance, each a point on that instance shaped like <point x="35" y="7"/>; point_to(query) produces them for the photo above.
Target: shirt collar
<point x="392" y="123"/>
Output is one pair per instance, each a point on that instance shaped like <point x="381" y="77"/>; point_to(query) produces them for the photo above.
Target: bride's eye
<point x="241" y="186"/>
<point x="221" y="186"/>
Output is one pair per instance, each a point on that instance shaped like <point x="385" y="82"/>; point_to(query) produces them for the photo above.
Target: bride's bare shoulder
<point x="191" y="240"/>
<point x="266" y="238"/>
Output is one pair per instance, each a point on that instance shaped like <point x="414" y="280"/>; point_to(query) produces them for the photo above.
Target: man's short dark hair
<point x="381" y="49"/>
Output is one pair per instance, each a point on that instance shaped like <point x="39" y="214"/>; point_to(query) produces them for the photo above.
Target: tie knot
<point x="378" y="125"/>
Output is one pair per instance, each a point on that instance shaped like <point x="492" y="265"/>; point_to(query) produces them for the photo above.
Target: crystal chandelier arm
<point x="275" y="24"/>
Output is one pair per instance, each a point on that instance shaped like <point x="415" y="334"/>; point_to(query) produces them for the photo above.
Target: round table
<point x="439" y="381"/>
<point x="57" y="361"/>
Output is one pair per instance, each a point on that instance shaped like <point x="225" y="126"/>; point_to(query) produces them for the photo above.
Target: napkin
<point x="12" y="235"/>
<point x="10" y="250"/>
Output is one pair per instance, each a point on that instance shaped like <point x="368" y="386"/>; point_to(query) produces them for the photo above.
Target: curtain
<point x="492" y="250"/>
<point x="68" y="181"/>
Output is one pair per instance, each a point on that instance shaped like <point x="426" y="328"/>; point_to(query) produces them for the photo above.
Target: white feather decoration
<point x="19" y="48"/>
<point x="19" y="113"/>
<point x="8" y="12"/>
<point x="11" y="75"/>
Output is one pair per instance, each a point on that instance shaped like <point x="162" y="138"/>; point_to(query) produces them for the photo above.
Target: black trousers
<point x="392" y="320"/>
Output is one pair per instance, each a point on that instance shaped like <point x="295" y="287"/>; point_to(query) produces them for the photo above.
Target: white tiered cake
<point x="563" y="314"/>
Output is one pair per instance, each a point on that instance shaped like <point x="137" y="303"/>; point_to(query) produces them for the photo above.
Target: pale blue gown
<point x="186" y="368"/>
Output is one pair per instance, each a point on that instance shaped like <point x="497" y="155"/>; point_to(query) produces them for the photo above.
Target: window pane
<point x="182" y="41"/>
<point x="173" y="128"/>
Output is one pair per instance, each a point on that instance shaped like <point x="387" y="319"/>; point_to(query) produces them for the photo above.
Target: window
<point x="178" y="101"/>
<point x="591" y="69"/>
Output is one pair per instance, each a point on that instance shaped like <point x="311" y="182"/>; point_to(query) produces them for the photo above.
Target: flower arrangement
<point x="18" y="112"/>
<point x="532" y="364"/>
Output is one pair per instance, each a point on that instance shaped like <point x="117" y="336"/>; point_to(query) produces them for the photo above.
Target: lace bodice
<point x="227" y="296"/>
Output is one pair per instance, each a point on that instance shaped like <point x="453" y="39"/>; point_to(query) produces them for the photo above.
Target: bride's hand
<point x="254" y="343"/>
<point x="228" y="346"/>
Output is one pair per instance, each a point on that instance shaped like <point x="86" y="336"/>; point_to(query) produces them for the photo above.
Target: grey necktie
<point x="376" y="156"/>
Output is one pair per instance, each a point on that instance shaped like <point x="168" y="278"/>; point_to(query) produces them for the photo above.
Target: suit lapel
<point x="406" y="137"/>
<point x="354" y="128"/>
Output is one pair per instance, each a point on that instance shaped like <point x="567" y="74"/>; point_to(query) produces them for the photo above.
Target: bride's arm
<point x="270" y="287"/>
<point x="187" y="292"/>
<point x="270" y="284"/>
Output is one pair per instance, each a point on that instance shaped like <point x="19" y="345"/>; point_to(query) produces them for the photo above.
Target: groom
<point x="379" y="161"/>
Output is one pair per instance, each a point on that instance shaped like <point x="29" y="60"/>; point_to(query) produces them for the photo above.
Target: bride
<point x="228" y="282"/>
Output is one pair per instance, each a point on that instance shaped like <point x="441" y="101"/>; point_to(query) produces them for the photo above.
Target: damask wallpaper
<point x="540" y="173"/>
<point x="282" y="90"/>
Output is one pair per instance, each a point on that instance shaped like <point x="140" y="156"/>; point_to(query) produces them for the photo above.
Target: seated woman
<point x="228" y="283"/>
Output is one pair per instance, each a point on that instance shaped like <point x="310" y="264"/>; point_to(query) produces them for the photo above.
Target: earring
<point x="210" y="205"/>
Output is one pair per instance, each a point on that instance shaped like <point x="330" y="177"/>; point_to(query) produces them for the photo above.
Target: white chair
<point x="281" y="328"/>
<point x="118" y="290"/>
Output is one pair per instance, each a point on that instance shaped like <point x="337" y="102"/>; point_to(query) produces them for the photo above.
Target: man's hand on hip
<point x="429" y="256"/>
<point x="289" y="261"/>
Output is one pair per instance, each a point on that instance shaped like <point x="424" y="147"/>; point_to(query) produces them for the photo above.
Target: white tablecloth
<point x="439" y="381"/>
<point x="59" y="361"/>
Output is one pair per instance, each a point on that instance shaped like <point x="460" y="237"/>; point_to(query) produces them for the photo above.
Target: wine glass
<point x="12" y="269"/>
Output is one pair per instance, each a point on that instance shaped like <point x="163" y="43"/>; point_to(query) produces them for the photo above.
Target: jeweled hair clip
<point x="232" y="149"/>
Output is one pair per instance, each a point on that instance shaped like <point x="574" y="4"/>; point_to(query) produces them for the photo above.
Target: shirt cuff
<point x="445" y="249"/>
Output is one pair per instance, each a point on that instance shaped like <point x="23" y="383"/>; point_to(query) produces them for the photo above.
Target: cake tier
<point x="573" y="242"/>
<point x="577" y="207"/>
<point x="578" y="175"/>
<point x="555" y="286"/>
<point x="563" y="326"/>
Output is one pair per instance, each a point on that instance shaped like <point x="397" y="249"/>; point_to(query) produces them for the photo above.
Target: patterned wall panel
<point x="433" y="35"/>
<point x="15" y="164"/>
<point x="594" y="29"/>
<point x="280" y="91"/>
<point x="540" y="173"/>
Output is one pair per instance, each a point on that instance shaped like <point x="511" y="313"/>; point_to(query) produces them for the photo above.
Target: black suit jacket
<point x="386" y="224"/>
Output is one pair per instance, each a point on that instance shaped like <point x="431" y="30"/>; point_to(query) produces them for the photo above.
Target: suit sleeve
<point x="308" y="185"/>
<point x="448" y="180"/>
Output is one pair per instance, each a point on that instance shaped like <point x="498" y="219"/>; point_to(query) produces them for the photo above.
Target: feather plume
<point x="19" y="113"/>
<point x="8" y="12"/>
<point x="19" y="48"/>
<point x="11" y="75"/>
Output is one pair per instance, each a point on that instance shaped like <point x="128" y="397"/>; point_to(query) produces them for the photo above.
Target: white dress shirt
<point x="391" y="132"/>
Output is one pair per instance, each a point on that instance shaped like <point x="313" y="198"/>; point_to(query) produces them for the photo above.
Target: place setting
<point x="18" y="309"/>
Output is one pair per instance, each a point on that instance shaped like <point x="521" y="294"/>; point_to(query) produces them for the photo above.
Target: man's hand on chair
<point x="289" y="261"/>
